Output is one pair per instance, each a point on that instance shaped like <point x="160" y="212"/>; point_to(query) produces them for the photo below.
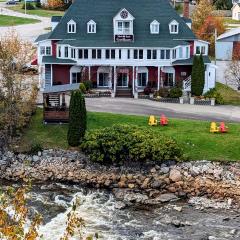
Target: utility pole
<point x="25" y="7"/>
<point x="215" y="40"/>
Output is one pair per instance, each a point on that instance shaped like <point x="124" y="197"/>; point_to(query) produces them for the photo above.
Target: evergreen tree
<point x="198" y="76"/>
<point x="77" y="119"/>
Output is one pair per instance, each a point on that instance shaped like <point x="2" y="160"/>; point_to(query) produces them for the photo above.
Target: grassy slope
<point x="230" y="96"/>
<point x="39" y="12"/>
<point x="13" y="21"/>
<point x="193" y="136"/>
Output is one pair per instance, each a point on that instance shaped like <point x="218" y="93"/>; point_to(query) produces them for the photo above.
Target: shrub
<point x="175" y="92"/>
<point x="77" y="119"/>
<point x="88" y="85"/>
<point x="35" y="148"/>
<point x="148" y="90"/>
<point x="82" y="88"/>
<point x="124" y="143"/>
<point x="38" y="5"/>
<point x="213" y="93"/>
<point x="162" y="92"/>
<point x="29" y="6"/>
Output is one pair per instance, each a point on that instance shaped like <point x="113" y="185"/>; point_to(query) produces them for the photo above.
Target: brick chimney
<point x="186" y="8"/>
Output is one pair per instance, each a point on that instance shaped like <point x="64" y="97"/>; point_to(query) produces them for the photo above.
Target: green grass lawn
<point x="229" y="95"/>
<point x="37" y="11"/>
<point x="193" y="136"/>
<point x="6" y="21"/>
<point x="229" y="20"/>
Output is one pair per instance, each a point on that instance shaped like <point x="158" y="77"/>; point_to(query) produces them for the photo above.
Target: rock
<point x="179" y="209"/>
<point x="175" y="175"/>
<point x="35" y="158"/>
<point x="145" y="183"/>
<point x="153" y="170"/>
<point x="195" y="171"/>
<point x="131" y="185"/>
<point x="156" y="184"/>
<point x="165" y="170"/>
<point x="166" y="197"/>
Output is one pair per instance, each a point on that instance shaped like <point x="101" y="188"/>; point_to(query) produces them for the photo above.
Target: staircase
<point x="124" y="92"/>
<point x="187" y="84"/>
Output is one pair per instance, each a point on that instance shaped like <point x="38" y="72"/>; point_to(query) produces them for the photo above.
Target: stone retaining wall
<point x="150" y="184"/>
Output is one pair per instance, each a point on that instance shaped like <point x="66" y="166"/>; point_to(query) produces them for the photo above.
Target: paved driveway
<point x="147" y="107"/>
<point x="27" y="32"/>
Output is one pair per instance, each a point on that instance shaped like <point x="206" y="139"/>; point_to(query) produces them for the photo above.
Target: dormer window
<point x="91" y="27"/>
<point x="154" y="27"/>
<point x="123" y="27"/>
<point x="71" y="27"/>
<point x="173" y="27"/>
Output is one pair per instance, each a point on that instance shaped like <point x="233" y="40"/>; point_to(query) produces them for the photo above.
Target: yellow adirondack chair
<point x="152" y="121"/>
<point x="214" y="128"/>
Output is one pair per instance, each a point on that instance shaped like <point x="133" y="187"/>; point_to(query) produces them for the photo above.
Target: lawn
<point x="193" y="136"/>
<point x="38" y="11"/>
<point x="228" y="20"/>
<point x="6" y="21"/>
<point x="229" y="95"/>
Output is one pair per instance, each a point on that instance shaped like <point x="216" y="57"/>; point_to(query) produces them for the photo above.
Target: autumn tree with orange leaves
<point x="207" y="31"/>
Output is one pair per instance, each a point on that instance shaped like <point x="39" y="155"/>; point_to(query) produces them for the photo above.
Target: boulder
<point x="175" y="175"/>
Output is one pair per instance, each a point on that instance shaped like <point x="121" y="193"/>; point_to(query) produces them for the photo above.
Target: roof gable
<point x="104" y="11"/>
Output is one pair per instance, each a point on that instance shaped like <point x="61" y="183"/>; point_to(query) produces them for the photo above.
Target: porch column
<point x="136" y="83"/>
<point x="133" y="81"/>
<point x="114" y="81"/>
<point x="161" y="77"/>
<point x="110" y="79"/>
<point x="89" y="73"/>
<point x="158" y="83"/>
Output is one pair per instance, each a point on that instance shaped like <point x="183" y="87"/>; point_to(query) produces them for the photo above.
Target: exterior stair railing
<point x="187" y="84"/>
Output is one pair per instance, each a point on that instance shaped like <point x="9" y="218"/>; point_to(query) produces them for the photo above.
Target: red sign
<point x="123" y="38"/>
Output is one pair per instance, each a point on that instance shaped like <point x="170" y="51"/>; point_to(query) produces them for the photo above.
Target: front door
<point x="122" y="80"/>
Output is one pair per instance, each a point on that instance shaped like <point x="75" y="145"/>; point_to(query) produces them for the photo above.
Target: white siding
<point x="224" y="50"/>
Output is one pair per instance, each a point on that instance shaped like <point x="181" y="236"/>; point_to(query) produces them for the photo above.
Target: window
<point x="129" y="54"/>
<point x="76" y="77"/>
<point x="123" y="27"/>
<point x="174" y="53"/>
<point x="66" y="52"/>
<point x="103" y="79"/>
<point x="187" y="52"/>
<point x="183" y="74"/>
<point x="142" y="79"/>
<point x="59" y="51"/>
<point x="173" y="27"/>
<point x="113" y="53"/>
<point x="151" y="54"/>
<point x="45" y="50"/>
<point x="201" y="50"/>
<point x="91" y="27"/>
<point x="83" y="53"/>
<point x="94" y="55"/>
<point x="180" y="52"/>
<point x="71" y="27"/>
<point x="165" y="54"/>
<point x="107" y="53"/>
<point x="138" y="54"/>
<point x="73" y="53"/>
<point x="168" y="81"/>
<point x="99" y="53"/>
<point x="154" y="27"/>
<point x="120" y="54"/>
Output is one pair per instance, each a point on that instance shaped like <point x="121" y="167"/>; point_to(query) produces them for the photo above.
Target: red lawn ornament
<point x="223" y="128"/>
<point x="163" y="120"/>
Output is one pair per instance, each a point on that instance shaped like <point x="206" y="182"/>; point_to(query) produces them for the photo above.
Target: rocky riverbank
<point x="151" y="184"/>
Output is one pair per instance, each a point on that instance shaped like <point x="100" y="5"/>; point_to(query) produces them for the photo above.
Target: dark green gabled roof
<point x="51" y="60"/>
<point x="56" y="18"/>
<point x="103" y="12"/>
<point x="43" y="37"/>
<point x="189" y="61"/>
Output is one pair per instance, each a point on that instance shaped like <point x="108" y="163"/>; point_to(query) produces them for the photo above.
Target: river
<point x="100" y="212"/>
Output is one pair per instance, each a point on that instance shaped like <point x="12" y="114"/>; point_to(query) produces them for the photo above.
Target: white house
<point x="227" y="44"/>
<point x="236" y="11"/>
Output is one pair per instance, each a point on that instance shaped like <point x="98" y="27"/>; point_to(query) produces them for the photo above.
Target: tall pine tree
<point x="77" y="119"/>
<point x="198" y="76"/>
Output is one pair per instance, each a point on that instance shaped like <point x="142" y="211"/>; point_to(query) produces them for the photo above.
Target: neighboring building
<point x="236" y="11"/>
<point x="228" y="44"/>
<point x="120" y="44"/>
